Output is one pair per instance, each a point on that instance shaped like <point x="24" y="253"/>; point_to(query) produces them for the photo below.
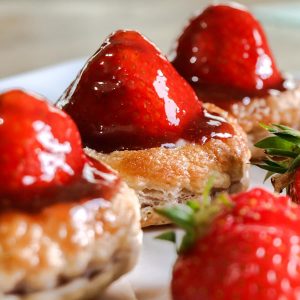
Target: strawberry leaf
<point x="295" y="164"/>
<point x="207" y="190"/>
<point x="287" y="131"/>
<point x="267" y="127"/>
<point x="289" y="137"/>
<point x="271" y="162"/>
<point x="169" y="236"/>
<point x="194" y="205"/>
<point x="181" y="215"/>
<point x="284" y="132"/>
<point x="224" y="199"/>
<point x="194" y="217"/>
<point x="274" y="169"/>
<point x="282" y="127"/>
<point x="279" y="152"/>
<point x="188" y="241"/>
<point x="268" y="175"/>
<point x="274" y="142"/>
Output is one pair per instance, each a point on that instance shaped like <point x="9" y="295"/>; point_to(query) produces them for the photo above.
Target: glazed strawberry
<point x="227" y="254"/>
<point x="41" y="153"/>
<point x="128" y="96"/>
<point x="224" y="50"/>
<point x="283" y="159"/>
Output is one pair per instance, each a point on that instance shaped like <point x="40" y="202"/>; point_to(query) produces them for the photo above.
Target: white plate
<point x="150" y="279"/>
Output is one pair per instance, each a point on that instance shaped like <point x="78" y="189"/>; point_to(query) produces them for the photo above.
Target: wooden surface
<point x="37" y="33"/>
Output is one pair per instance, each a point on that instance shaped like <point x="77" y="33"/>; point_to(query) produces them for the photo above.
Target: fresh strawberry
<point x="224" y="50"/>
<point x="128" y="96"/>
<point x="40" y="146"/>
<point x="246" y="247"/>
<point x="258" y="206"/>
<point x="283" y="159"/>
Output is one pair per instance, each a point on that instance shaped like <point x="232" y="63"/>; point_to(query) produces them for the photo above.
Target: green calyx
<point x="282" y="149"/>
<point x="193" y="217"/>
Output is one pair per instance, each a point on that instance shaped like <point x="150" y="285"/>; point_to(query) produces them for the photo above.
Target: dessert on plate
<point x="138" y="115"/>
<point x="245" y="246"/>
<point x="68" y="225"/>
<point x="224" y="54"/>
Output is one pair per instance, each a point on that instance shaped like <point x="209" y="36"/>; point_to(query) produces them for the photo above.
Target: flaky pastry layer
<point x="68" y="251"/>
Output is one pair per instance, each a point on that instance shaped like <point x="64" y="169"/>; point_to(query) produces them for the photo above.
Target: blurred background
<point x="38" y="33"/>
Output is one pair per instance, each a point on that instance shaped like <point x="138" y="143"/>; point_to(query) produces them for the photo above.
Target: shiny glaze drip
<point x="95" y="182"/>
<point x="129" y="97"/>
<point x="209" y="126"/>
<point x="225" y="97"/>
<point x="42" y="161"/>
<point x="199" y="131"/>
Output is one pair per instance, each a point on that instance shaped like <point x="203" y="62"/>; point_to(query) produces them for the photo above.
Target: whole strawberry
<point x="282" y="148"/>
<point x="246" y="247"/>
<point x="128" y="96"/>
<point x="224" y="50"/>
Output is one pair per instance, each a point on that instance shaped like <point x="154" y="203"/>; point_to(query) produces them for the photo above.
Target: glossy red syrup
<point x="225" y="97"/>
<point x="129" y="97"/>
<point x="96" y="182"/>
<point x="224" y="54"/>
<point x="41" y="159"/>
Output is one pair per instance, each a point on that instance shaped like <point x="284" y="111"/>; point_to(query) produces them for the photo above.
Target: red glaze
<point x="41" y="159"/>
<point x="128" y="96"/>
<point x="251" y="252"/>
<point x="224" y="54"/>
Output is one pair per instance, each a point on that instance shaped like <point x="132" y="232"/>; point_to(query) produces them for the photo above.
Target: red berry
<point x="128" y="96"/>
<point x="225" y="48"/>
<point x="40" y="147"/>
<point x="259" y="206"/>
<point x="243" y="256"/>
